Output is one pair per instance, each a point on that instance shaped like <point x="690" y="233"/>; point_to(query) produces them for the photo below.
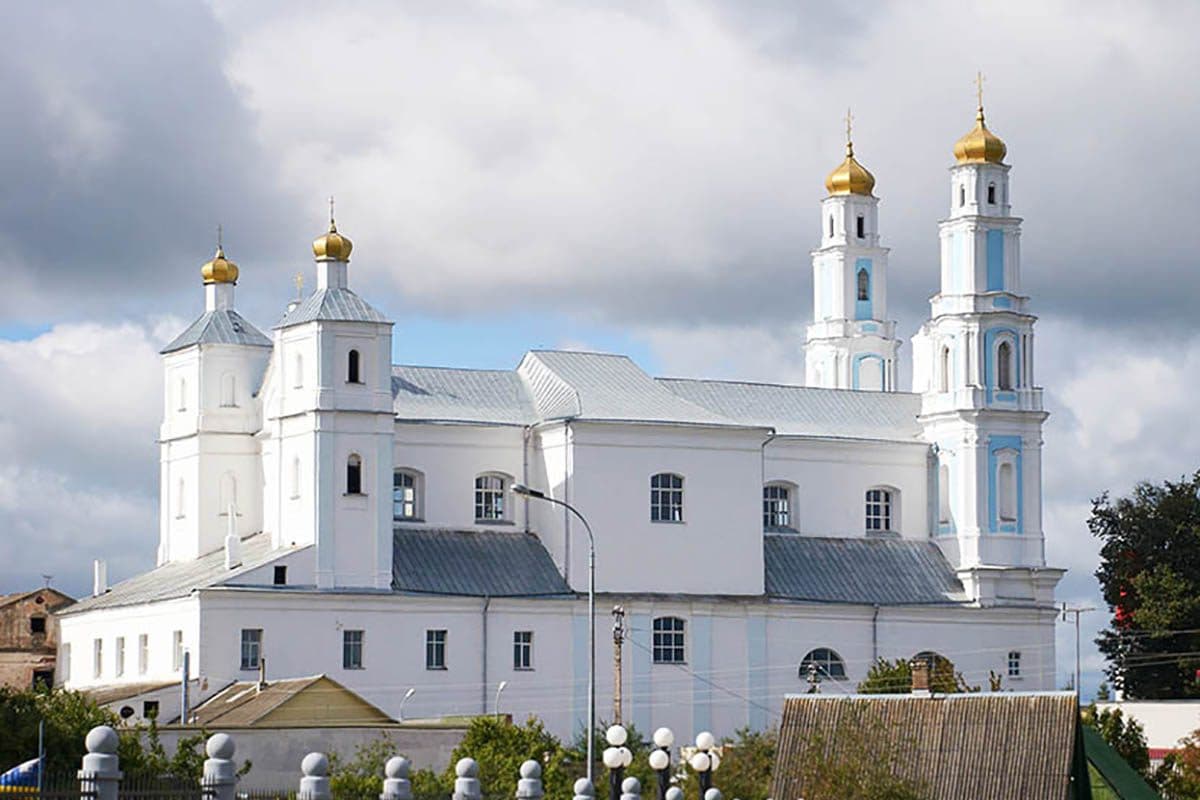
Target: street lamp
<point x="704" y="761"/>
<point x="400" y="711"/>
<point x="616" y="757"/>
<point x="524" y="491"/>
<point x="499" y="689"/>
<point x="660" y="759"/>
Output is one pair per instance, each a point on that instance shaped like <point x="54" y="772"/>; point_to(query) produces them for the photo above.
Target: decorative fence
<point x="100" y="777"/>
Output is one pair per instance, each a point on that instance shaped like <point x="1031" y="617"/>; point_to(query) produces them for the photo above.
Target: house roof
<point x="115" y="692"/>
<point x="315" y="701"/>
<point x="484" y="563"/>
<point x="870" y="571"/>
<point x="65" y="599"/>
<point x="332" y="305"/>
<point x="982" y="746"/>
<point x="222" y="326"/>
<point x="179" y="579"/>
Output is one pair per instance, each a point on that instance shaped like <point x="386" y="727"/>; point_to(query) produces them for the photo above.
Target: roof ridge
<point x="581" y="353"/>
<point x="454" y="369"/>
<point x="737" y="382"/>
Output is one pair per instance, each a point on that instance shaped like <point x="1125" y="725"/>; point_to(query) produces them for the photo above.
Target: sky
<point x="638" y="177"/>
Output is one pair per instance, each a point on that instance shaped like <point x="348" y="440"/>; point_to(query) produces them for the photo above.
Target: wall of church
<point x="161" y="623"/>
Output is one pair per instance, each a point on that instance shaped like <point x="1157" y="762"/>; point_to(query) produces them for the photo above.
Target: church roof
<point x="489" y="396"/>
<point x="863" y="571"/>
<point x="223" y="326"/>
<point x="484" y="563"/>
<point x="332" y="305"/>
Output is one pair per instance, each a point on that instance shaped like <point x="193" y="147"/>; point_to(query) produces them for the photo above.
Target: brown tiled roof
<point x="112" y="692"/>
<point x="315" y="700"/>
<point x="979" y="746"/>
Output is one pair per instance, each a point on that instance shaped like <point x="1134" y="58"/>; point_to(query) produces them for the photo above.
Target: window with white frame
<point x="879" y="501"/>
<point x="119" y="667"/>
<point x="143" y="653"/>
<point x="864" y="285"/>
<point x="490" y="490"/>
<point x="522" y="650"/>
<point x="666" y="497"/>
<point x="228" y="390"/>
<point x="1004" y="366"/>
<point x="406" y="488"/>
<point x="777" y="507"/>
<point x="1006" y="485"/>
<point x="252" y="642"/>
<point x="668" y="640"/>
<point x="1014" y="664"/>
<point x="827" y="663"/>
<point x="352" y="649"/>
<point x="944" y="370"/>
<point x="435" y="649"/>
<point x="97" y="657"/>
<point x="177" y="650"/>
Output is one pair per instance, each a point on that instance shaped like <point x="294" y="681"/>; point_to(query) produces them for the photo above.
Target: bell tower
<point x="851" y="343"/>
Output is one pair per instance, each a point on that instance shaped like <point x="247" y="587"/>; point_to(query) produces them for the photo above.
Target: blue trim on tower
<point x="989" y="363"/>
<point x="995" y="261"/>
<point x="856" y="366"/>
<point x="863" y="308"/>
<point x="639" y="654"/>
<point x="995" y="445"/>
<point x="756" y="678"/>
<point x="701" y="658"/>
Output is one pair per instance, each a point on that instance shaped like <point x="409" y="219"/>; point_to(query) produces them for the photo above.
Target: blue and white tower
<point x="973" y="365"/>
<point x="851" y="343"/>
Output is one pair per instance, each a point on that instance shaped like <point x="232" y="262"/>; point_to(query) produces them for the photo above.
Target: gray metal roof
<point x="223" y="326"/>
<point x="179" y="579"/>
<point x="600" y="386"/>
<point x="461" y="395"/>
<point x="484" y="563"/>
<point x="804" y="411"/>
<point x="867" y="571"/>
<point x="332" y="305"/>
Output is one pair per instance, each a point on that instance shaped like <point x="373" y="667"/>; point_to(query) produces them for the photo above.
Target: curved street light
<point x="524" y="491"/>
<point x="400" y="711"/>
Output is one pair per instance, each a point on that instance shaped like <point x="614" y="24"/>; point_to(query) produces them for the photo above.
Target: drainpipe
<point x="566" y="499"/>
<point x="483" y="689"/>
<point x="875" y="634"/>
<point x="526" y="432"/>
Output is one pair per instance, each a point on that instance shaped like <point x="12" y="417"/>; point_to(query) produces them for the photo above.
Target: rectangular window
<point x="861" y="227"/>
<point x="777" y="512"/>
<point x="37" y="625"/>
<point x="281" y="575"/>
<point x="435" y="649"/>
<point x="251" y="647"/>
<point x="143" y="653"/>
<point x="177" y="650"/>
<point x="879" y="510"/>
<point x="404" y="495"/>
<point x="97" y="657"/>
<point x="666" y="498"/>
<point x="64" y="662"/>
<point x="352" y="649"/>
<point x="522" y="649"/>
<point x="668" y="640"/>
<point x="489" y="498"/>
<point x="120" y="668"/>
<point x="149" y="709"/>
<point x="1014" y="664"/>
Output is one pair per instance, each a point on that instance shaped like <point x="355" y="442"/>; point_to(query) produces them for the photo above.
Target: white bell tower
<point x="980" y="407"/>
<point x="851" y="343"/>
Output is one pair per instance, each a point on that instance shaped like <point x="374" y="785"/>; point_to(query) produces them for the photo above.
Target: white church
<point x="325" y="511"/>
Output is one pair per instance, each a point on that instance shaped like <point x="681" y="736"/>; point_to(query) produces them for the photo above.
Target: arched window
<point x="228" y="390"/>
<point x="295" y="477"/>
<point x="962" y="195"/>
<point x="944" y="493"/>
<point x="860" y="226"/>
<point x="777" y="507"/>
<point x="354" y="474"/>
<point x="827" y="662"/>
<point x="298" y="371"/>
<point x="1004" y="366"/>
<point x="831" y="226"/>
<point x="668" y="641"/>
<point x="228" y="494"/>
<point x="352" y="371"/>
<point x="879" y="502"/>
<point x="992" y="194"/>
<point x="1006" y="487"/>
<point x="406" y="490"/>
<point x="944" y="370"/>
<point x="666" y="497"/>
<point x="490" y="491"/>
<point x="864" y="285"/>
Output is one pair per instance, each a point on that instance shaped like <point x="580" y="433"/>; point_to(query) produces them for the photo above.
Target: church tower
<point x="851" y="343"/>
<point x="973" y="365"/>
<point x="329" y="427"/>
<point x="210" y="479"/>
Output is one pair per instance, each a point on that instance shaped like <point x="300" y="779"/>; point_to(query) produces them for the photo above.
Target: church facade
<point x="326" y="511"/>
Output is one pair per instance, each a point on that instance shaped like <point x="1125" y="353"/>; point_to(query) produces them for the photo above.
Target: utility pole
<point x="1077" y="610"/>
<point x="618" y="613"/>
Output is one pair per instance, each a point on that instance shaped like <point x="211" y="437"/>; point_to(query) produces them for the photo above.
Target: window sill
<point x="779" y="529"/>
<point x="354" y="669"/>
<point x="668" y="522"/>
<point x="494" y="522"/>
<point x="435" y="669"/>
<point x="523" y="669"/>
<point x="408" y="519"/>
<point x="670" y="663"/>
<point x="354" y="494"/>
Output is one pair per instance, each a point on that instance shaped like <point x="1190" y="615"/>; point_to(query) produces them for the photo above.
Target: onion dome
<point x="979" y="145"/>
<point x="220" y="269"/>
<point x="332" y="246"/>
<point x="850" y="177"/>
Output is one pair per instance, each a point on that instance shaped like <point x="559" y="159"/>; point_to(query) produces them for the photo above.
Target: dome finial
<point x="979" y="95"/>
<point x="850" y="177"/>
<point x="332" y="246"/>
<point x="849" y="126"/>
<point x="979" y="145"/>
<point x="219" y="269"/>
<point x="332" y="225"/>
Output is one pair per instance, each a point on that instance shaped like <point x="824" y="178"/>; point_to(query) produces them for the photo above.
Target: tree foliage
<point x="1126" y="736"/>
<point x="1150" y="576"/>
<point x="1178" y="777"/>
<point x="68" y="717"/>
<point x="895" y="677"/>
<point x="501" y="747"/>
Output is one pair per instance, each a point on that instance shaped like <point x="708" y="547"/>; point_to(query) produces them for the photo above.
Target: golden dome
<point x="332" y="246"/>
<point x="980" y="146"/>
<point x="220" y="269"/>
<point x="850" y="177"/>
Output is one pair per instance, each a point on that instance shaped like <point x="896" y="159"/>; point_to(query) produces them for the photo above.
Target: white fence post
<point x="530" y="786"/>
<point x="100" y="776"/>
<point x="219" y="781"/>
<point x="396" y="785"/>
<point x="466" y="785"/>
<point x="315" y="783"/>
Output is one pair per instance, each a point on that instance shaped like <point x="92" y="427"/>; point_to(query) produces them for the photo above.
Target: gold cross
<point x="849" y="124"/>
<point x="220" y="237"/>
<point x="331" y="211"/>
<point x="979" y="88"/>
<point x="299" y="280"/>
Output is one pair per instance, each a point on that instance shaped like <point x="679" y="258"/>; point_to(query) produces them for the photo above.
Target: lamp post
<point x="499" y="689"/>
<point x="400" y="711"/>
<point x="704" y="761"/>
<point x="524" y="491"/>
<point x="660" y="759"/>
<point x="616" y="757"/>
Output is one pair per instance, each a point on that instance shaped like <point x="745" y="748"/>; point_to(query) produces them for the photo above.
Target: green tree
<point x="501" y="747"/>
<point x="1178" y="777"/>
<point x="747" y="760"/>
<point x="68" y="716"/>
<point x="895" y="677"/>
<point x="361" y="777"/>
<point x="1150" y="576"/>
<point x="1126" y="736"/>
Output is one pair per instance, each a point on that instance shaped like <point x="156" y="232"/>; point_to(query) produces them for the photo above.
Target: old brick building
<point x="29" y="636"/>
